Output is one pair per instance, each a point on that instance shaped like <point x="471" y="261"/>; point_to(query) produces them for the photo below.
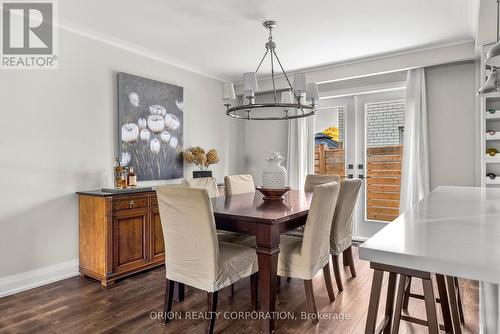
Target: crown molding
<point x="134" y="48"/>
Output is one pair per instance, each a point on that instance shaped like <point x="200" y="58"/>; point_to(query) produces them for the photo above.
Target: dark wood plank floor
<point x="81" y="305"/>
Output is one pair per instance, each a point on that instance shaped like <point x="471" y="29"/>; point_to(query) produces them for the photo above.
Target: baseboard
<point x="31" y="279"/>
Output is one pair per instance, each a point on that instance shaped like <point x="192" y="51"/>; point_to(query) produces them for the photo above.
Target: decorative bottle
<point x="274" y="176"/>
<point x="132" y="177"/>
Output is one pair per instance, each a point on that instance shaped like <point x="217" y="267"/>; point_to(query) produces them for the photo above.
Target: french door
<point x="369" y="147"/>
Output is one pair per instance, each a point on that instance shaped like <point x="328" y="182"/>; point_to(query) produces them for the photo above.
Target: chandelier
<point x="292" y="101"/>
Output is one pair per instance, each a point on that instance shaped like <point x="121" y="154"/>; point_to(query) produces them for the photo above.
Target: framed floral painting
<point x="150" y="119"/>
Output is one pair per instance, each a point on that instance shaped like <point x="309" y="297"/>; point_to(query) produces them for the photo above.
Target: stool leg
<point x="459" y="300"/>
<point x="452" y="297"/>
<point x="389" y="304"/>
<point x="407" y="294"/>
<point x="371" y="319"/>
<point x="443" y="300"/>
<point x="400" y="295"/>
<point x="430" y="306"/>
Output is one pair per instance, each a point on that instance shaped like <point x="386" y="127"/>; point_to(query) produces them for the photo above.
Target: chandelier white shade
<point x="312" y="93"/>
<point x="228" y="94"/>
<point x="250" y="82"/>
<point x="299" y="83"/>
<point x="288" y="106"/>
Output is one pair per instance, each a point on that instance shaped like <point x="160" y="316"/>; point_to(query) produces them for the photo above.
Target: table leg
<point x="267" y="253"/>
<point x="371" y="319"/>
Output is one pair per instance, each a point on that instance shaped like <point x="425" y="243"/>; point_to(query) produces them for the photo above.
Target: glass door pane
<point x="329" y="138"/>
<point x="384" y="123"/>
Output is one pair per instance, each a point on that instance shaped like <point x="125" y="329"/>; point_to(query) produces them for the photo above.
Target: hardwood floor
<point x="82" y="305"/>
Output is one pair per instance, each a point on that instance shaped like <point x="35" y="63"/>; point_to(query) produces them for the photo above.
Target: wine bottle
<point x="491" y="175"/>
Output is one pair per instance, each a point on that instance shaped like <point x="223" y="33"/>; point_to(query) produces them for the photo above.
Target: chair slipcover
<point x="312" y="180"/>
<point x="207" y="183"/>
<point x="193" y="254"/>
<point x="239" y="184"/>
<point x="341" y="233"/>
<point x="304" y="257"/>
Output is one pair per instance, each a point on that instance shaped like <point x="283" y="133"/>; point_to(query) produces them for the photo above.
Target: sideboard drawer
<point x="137" y="202"/>
<point x="154" y="201"/>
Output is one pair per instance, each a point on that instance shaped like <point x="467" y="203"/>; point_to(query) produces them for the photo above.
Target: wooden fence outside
<point x="384" y="177"/>
<point x="384" y="182"/>
<point x="329" y="160"/>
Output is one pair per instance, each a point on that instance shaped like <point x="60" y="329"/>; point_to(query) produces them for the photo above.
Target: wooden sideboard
<point x="120" y="234"/>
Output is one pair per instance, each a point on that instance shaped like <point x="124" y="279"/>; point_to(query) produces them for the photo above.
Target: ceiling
<point x="225" y="38"/>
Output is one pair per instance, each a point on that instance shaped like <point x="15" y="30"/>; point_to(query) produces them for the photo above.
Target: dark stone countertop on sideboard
<point x="104" y="193"/>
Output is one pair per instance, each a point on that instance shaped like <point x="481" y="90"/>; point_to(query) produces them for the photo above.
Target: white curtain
<point x="415" y="172"/>
<point x="300" y="157"/>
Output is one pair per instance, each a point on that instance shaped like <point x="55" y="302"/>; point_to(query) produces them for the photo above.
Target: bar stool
<point x="450" y="301"/>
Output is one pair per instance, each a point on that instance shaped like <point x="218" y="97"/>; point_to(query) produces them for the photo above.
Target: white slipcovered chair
<point x="194" y="256"/>
<point x="313" y="180"/>
<point x="304" y="257"/>
<point x="341" y="228"/>
<point x="239" y="184"/>
<point x="207" y="183"/>
<point x="341" y="232"/>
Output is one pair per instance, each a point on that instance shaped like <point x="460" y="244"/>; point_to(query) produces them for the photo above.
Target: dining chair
<point x="194" y="256"/>
<point x="341" y="226"/>
<point x="312" y="180"/>
<point x="239" y="184"/>
<point x="207" y="183"/>
<point x="304" y="257"/>
<point x="341" y="229"/>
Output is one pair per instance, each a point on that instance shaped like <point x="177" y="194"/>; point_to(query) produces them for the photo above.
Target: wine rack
<point x="489" y="121"/>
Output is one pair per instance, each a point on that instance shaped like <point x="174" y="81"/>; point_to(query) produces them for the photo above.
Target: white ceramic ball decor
<point x="274" y="176"/>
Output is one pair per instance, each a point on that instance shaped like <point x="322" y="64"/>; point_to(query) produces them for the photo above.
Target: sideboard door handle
<point x="131" y="204"/>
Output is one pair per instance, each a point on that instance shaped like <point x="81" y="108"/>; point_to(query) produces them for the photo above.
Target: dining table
<point x="452" y="232"/>
<point x="250" y="214"/>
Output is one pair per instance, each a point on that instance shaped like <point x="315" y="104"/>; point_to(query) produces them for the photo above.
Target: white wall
<point x="58" y="136"/>
<point x="451" y="104"/>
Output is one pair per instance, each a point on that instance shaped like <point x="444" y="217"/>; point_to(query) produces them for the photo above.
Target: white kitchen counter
<point x="454" y="231"/>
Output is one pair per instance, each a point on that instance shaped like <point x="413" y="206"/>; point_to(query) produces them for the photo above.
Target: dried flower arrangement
<point x="197" y="156"/>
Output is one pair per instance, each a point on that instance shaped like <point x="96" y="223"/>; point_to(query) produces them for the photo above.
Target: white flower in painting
<point x="180" y="105"/>
<point x="130" y="132"/>
<point x="172" y="122"/>
<point x="165" y="136"/>
<point x="125" y="158"/>
<point x="145" y="134"/>
<point x="133" y="98"/>
<point x="156" y="123"/>
<point x="176" y="124"/>
<point x="173" y="142"/>
<point x="157" y="109"/>
<point x="154" y="145"/>
<point x="142" y="123"/>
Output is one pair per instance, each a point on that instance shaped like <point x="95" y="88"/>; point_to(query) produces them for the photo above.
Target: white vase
<point x="274" y="176"/>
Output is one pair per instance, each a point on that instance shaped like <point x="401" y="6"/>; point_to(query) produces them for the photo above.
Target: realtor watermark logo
<point x="29" y="39"/>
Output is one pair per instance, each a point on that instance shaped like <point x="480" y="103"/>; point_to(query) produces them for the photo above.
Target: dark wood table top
<point x="251" y="207"/>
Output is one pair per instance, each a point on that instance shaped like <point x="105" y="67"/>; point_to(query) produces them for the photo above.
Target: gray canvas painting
<point x="150" y="119"/>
